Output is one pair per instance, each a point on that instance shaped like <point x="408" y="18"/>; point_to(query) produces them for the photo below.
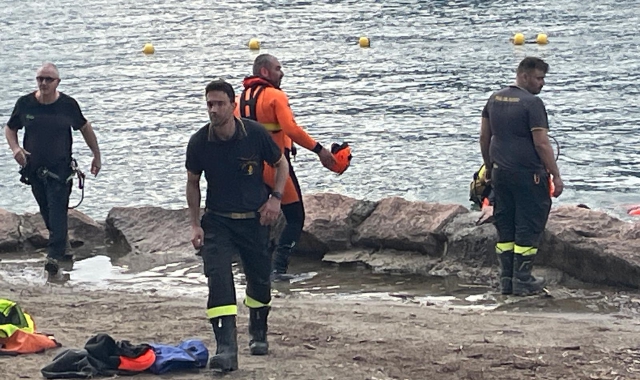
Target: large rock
<point x="469" y="243"/>
<point x="33" y="232"/>
<point x="9" y="231"/>
<point x="407" y="226"/>
<point x="28" y="231"/>
<point x="83" y="231"/>
<point x="385" y="260"/>
<point x="330" y="222"/>
<point x="592" y="246"/>
<point x="151" y="229"/>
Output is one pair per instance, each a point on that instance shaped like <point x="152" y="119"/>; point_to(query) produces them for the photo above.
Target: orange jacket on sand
<point x="272" y="110"/>
<point x="22" y="342"/>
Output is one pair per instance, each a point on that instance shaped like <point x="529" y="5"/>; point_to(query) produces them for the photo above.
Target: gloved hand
<point x="342" y="155"/>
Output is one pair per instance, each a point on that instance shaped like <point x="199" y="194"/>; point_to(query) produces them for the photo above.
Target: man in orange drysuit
<point x="263" y="100"/>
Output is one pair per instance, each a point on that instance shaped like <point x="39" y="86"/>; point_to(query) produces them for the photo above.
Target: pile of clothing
<point x="103" y="356"/>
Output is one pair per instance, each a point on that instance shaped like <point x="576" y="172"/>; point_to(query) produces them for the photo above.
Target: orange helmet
<point x="342" y="155"/>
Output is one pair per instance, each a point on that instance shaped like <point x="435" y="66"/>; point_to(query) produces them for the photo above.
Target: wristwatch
<point x="277" y="195"/>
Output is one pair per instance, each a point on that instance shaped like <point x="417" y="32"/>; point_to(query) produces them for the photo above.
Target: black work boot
<point x="226" y="357"/>
<point x="281" y="263"/>
<point x="524" y="283"/>
<point x="506" y="271"/>
<point x="52" y="266"/>
<point x="258" y="330"/>
<point x="67" y="256"/>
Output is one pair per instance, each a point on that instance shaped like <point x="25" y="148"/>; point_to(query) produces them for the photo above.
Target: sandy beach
<point x="320" y="338"/>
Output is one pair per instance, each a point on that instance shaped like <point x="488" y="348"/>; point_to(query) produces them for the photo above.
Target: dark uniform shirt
<point x="513" y="112"/>
<point x="233" y="168"/>
<point x="48" y="128"/>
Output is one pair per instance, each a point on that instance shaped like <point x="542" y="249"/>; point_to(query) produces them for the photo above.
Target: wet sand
<point x="320" y="338"/>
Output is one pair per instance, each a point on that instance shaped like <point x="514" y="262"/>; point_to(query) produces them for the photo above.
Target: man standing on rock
<point x="515" y="144"/>
<point x="48" y="116"/>
<point x="262" y="100"/>
<point x="231" y="152"/>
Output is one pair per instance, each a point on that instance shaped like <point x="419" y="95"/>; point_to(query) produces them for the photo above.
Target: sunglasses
<point x="46" y="79"/>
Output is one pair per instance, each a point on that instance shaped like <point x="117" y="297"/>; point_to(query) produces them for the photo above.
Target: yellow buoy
<point x="254" y="44"/>
<point x="148" y="49"/>
<point x="518" y="39"/>
<point x="364" y="42"/>
<point x="542" y="39"/>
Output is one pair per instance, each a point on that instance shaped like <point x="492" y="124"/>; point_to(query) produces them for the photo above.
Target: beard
<point x="216" y="121"/>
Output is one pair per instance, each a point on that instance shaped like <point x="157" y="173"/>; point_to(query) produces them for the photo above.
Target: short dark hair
<point x="263" y="60"/>
<point x="532" y="63"/>
<point x="222" y="86"/>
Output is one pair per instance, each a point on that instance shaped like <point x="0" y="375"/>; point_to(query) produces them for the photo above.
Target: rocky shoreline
<point x="390" y="235"/>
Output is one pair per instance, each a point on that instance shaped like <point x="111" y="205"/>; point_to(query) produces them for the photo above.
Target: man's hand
<point x="486" y="215"/>
<point x="558" y="186"/>
<point x="20" y="155"/>
<point x="486" y="176"/>
<point x="269" y="211"/>
<point x="326" y="158"/>
<point x="96" y="164"/>
<point x="197" y="237"/>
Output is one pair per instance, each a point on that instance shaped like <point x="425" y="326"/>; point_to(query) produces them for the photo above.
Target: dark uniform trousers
<point x="522" y="205"/>
<point x="294" y="214"/>
<point x="225" y="237"/>
<point x="53" y="200"/>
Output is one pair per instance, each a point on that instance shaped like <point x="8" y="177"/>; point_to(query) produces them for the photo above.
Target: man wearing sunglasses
<point x="48" y="117"/>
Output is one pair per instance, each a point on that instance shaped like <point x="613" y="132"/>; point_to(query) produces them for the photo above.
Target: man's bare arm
<point x="19" y="154"/>
<point x="545" y="150"/>
<point x="193" y="198"/>
<point x="92" y="142"/>
<point x="12" y="138"/>
<point x="485" y="142"/>
<point x="90" y="138"/>
<point x="282" y="172"/>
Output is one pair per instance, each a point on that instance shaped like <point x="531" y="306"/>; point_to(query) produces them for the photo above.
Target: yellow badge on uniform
<point x="248" y="166"/>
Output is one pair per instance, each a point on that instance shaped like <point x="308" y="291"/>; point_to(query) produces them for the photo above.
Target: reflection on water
<point x="315" y="279"/>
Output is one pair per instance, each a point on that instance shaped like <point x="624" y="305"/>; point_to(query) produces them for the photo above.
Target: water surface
<point x="409" y="105"/>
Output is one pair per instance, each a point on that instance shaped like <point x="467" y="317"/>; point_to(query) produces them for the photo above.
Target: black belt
<point x="43" y="172"/>
<point x="235" y="215"/>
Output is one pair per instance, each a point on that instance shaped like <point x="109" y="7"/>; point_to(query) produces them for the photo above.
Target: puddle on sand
<point x="103" y="272"/>
<point x="355" y="281"/>
<point x="317" y="279"/>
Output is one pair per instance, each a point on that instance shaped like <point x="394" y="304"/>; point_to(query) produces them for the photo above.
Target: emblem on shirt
<point x="248" y="166"/>
<point x="29" y="117"/>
